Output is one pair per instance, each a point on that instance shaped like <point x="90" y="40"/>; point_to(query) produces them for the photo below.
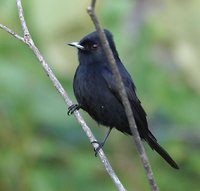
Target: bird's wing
<point x="138" y="111"/>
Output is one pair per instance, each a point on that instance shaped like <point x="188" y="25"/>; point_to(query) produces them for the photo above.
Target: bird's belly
<point x="105" y="108"/>
<point x="96" y="98"/>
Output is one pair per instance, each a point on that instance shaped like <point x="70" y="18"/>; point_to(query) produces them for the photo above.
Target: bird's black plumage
<point x="96" y="91"/>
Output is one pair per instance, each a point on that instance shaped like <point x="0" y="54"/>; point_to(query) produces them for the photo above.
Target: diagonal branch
<point x="27" y="39"/>
<point x="8" y="30"/>
<point x="123" y="95"/>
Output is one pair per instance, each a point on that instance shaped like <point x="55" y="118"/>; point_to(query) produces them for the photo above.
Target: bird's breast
<point x="89" y="86"/>
<point x="95" y="97"/>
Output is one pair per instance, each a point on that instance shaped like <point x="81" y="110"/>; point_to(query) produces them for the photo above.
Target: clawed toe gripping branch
<point x="27" y="39"/>
<point x="100" y="146"/>
<point x="73" y="108"/>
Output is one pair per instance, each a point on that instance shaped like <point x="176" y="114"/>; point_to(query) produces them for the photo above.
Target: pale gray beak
<point x="76" y="44"/>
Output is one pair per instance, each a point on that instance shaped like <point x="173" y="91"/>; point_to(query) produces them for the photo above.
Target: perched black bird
<point x="96" y="92"/>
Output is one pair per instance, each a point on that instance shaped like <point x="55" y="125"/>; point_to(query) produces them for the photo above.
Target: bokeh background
<point x="42" y="149"/>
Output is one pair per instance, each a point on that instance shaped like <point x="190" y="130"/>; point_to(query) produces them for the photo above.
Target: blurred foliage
<point x="41" y="148"/>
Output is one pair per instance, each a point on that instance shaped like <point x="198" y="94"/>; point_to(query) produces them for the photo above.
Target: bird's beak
<point x="76" y="44"/>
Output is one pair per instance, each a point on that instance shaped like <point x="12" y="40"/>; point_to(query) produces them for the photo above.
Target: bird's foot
<point x="73" y="108"/>
<point x="98" y="148"/>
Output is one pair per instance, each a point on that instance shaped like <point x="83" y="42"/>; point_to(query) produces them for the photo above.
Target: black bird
<point x="96" y="92"/>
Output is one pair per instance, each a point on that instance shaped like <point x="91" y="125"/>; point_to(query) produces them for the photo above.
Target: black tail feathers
<point x="155" y="146"/>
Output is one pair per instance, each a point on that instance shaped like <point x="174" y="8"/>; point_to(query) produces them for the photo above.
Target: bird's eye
<point x="94" y="46"/>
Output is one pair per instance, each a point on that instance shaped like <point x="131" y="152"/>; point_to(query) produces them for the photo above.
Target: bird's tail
<point x="151" y="140"/>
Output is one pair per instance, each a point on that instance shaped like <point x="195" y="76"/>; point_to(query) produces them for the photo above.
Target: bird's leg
<point x="102" y="143"/>
<point x="73" y="108"/>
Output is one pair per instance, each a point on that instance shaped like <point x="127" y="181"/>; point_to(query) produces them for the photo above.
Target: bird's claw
<point x="98" y="148"/>
<point x="73" y="108"/>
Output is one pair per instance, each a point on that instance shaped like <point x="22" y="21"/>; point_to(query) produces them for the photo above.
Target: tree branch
<point x="123" y="95"/>
<point x="29" y="41"/>
<point x="5" y="28"/>
<point x="22" y="18"/>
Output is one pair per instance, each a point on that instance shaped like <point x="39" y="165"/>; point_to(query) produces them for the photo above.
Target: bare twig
<point x="29" y="41"/>
<point x="21" y="17"/>
<point x="122" y="93"/>
<point x="5" y="28"/>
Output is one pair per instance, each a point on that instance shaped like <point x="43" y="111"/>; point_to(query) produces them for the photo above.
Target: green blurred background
<point x="42" y="149"/>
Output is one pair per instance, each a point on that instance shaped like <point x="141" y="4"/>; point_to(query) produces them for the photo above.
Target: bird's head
<point x="90" y="49"/>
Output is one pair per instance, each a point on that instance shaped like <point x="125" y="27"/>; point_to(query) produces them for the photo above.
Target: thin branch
<point x="123" y="95"/>
<point x="93" y="3"/>
<point x="29" y="41"/>
<point x="22" y="18"/>
<point x="8" y="30"/>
